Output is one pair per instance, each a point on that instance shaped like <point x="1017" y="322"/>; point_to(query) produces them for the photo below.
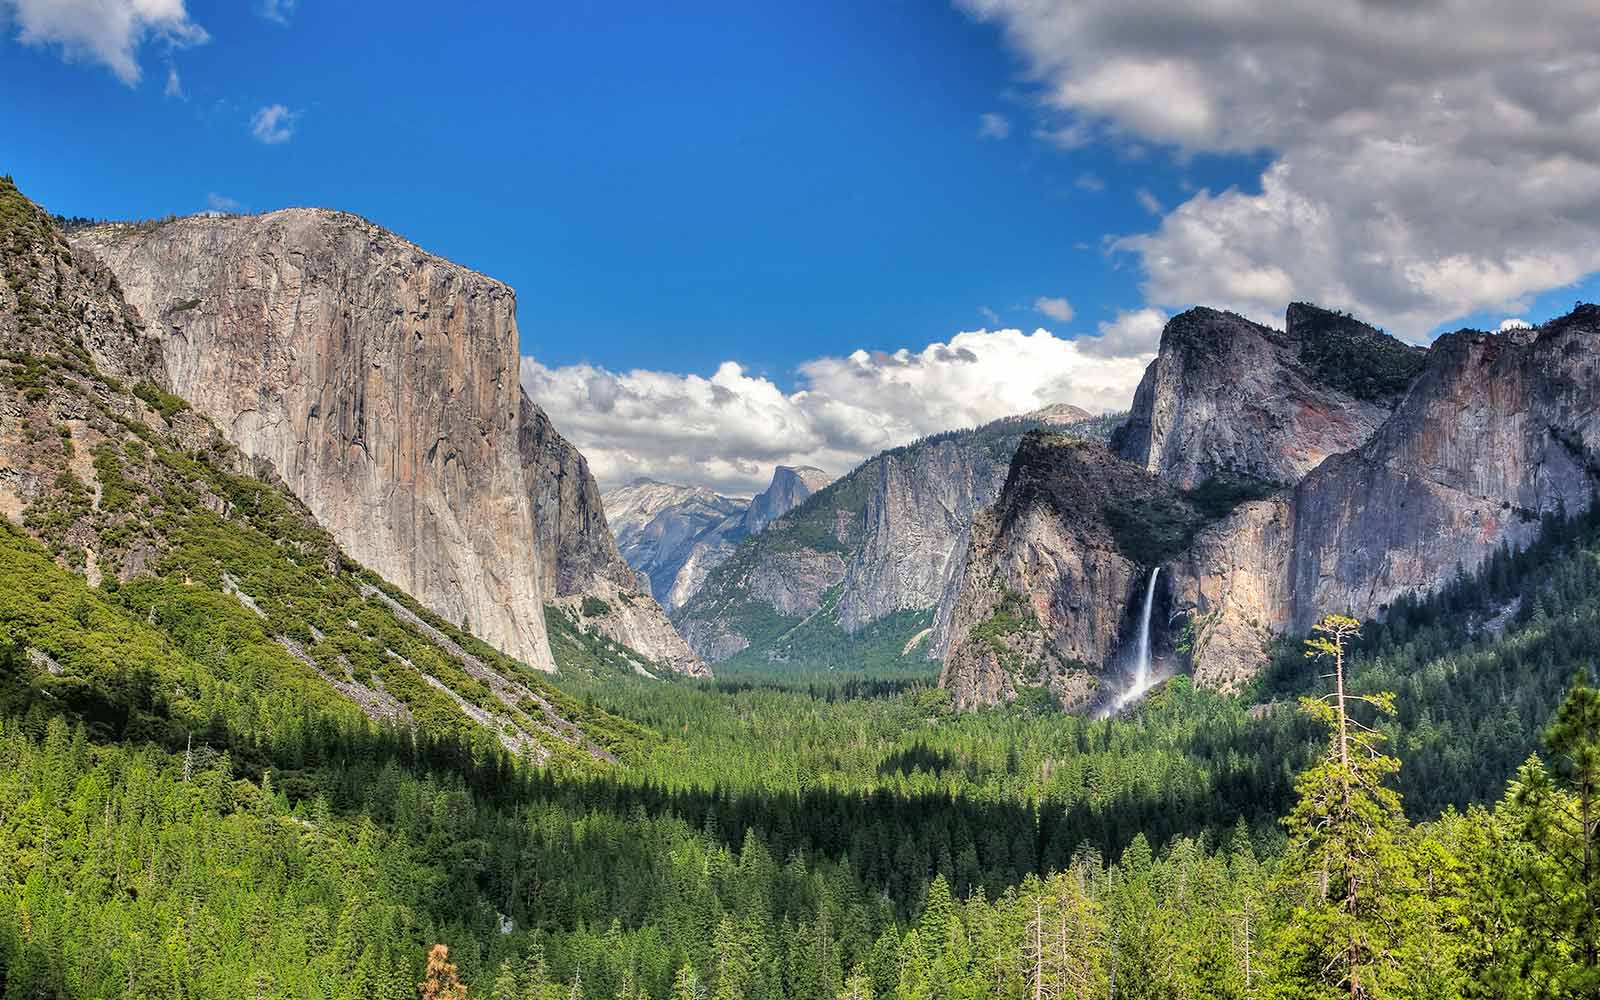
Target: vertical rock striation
<point x="1394" y="467"/>
<point x="381" y="383"/>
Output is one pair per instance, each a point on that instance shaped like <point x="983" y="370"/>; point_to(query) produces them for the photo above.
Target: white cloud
<point x="1515" y="324"/>
<point x="1134" y="332"/>
<point x="1089" y="182"/>
<point x="273" y="124"/>
<point x="989" y="315"/>
<point x="109" y="32"/>
<point x="993" y="126"/>
<point x="1428" y="159"/>
<point x="1147" y="201"/>
<point x="174" y="87"/>
<point x="222" y="203"/>
<point x="277" y="10"/>
<point x="728" y="431"/>
<point x="1056" y="308"/>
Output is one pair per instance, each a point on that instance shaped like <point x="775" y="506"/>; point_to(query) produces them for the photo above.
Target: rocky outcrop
<point x="675" y="535"/>
<point x="380" y="382"/>
<point x="1499" y="430"/>
<point x="789" y="488"/>
<point x="1230" y="398"/>
<point x="919" y="510"/>
<point x="1477" y="444"/>
<point x="582" y="566"/>
<point x="1050" y="573"/>
<point x="881" y="544"/>
<point x="114" y="477"/>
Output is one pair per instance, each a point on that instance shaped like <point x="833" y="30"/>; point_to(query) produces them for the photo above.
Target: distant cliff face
<point x="789" y="488"/>
<point x="1498" y="430"/>
<point x="675" y="535"/>
<point x="858" y="569"/>
<point x="381" y="383"/>
<point x="1479" y="437"/>
<point x="1227" y="397"/>
<point x="1051" y="572"/>
<point x="582" y="566"/>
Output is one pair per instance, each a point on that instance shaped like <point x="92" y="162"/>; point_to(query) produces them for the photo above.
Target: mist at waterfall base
<point x="1143" y="677"/>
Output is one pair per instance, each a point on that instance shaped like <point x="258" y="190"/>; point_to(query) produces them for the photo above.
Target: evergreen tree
<point x="1346" y="871"/>
<point x="1559" y="810"/>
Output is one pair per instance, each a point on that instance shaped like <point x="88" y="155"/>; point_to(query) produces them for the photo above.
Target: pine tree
<point x="857" y="986"/>
<point x="1560" y="818"/>
<point x="686" y="984"/>
<point x="1345" y="866"/>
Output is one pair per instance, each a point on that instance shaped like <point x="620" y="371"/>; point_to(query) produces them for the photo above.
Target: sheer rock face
<point x="890" y="536"/>
<point x="1492" y="433"/>
<point x="793" y="583"/>
<point x="674" y="535"/>
<point x="1499" y="430"/>
<point x="1226" y="396"/>
<point x="381" y="383"/>
<point x="578" y="556"/>
<point x="919" y="511"/>
<point x="1045" y="588"/>
<point x="789" y="488"/>
<point x="1234" y="586"/>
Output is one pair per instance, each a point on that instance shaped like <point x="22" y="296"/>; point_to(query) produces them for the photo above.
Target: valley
<point x="321" y="646"/>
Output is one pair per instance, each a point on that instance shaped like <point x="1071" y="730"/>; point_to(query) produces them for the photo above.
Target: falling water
<point x="1141" y="665"/>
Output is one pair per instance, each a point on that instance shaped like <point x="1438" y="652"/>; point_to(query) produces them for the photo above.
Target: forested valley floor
<point x="824" y="837"/>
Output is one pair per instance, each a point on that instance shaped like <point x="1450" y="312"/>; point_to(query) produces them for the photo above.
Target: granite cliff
<point x="674" y="535"/>
<point x="789" y="488"/>
<point x="160" y="579"/>
<point x="856" y="570"/>
<point x="380" y="382"/>
<point x="1050" y="572"/>
<point x="1324" y="468"/>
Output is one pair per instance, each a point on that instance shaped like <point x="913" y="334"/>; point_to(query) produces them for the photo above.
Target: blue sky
<point x="760" y="182"/>
<point x="765" y="201"/>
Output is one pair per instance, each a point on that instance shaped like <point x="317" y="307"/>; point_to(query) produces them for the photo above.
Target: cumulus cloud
<point x="1427" y="159"/>
<point x="1056" y="308"/>
<point x="273" y="124"/>
<point x="728" y="431"/>
<point x="1515" y="323"/>
<point x="993" y="126"/>
<point x="109" y="32"/>
<point x="1134" y="332"/>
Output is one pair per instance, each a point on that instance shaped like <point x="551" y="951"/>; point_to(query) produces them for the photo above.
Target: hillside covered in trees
<point x="236" y="763"/>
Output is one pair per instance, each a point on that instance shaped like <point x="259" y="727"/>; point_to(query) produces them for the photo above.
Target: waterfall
<point x="1141" y="663"/>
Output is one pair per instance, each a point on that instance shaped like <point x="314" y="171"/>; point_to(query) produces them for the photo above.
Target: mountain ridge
<point x="381" y="381"/>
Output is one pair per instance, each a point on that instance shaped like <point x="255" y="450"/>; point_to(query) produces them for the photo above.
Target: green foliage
<point x="163" y="402"/>
<point x="1346" y="354"/>
<point x="1220" y="494"/>
<point x="1151" y="530"/>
